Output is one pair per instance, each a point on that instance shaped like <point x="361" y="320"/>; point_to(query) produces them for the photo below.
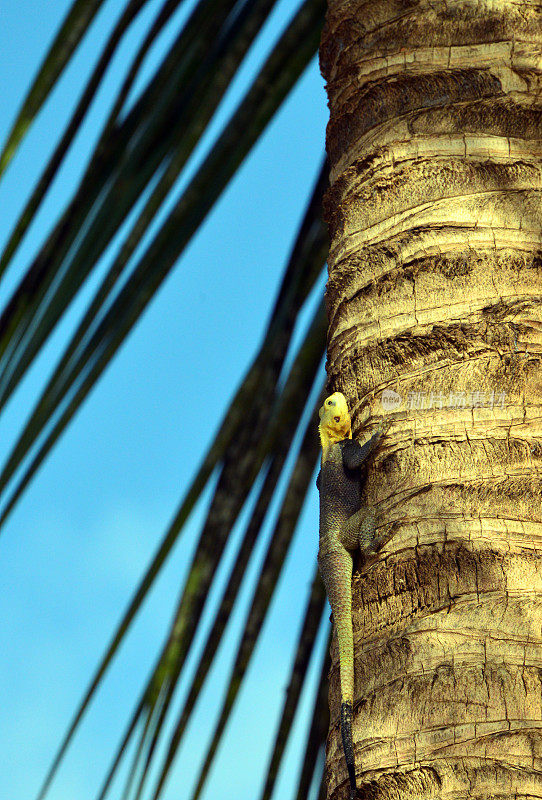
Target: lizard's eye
<point x="330" y="403"/>
<point x="337" y="419"/>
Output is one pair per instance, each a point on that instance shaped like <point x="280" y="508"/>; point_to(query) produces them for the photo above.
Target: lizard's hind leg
<point x="336" y="570"/>
<point x="360" y="532"/>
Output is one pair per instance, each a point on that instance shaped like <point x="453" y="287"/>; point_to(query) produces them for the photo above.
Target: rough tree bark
<point x="435" y="144"/>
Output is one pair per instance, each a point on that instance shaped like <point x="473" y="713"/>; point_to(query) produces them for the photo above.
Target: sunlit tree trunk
<point x="434" y="298"/>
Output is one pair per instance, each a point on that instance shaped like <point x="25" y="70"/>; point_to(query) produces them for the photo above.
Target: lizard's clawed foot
<point x="383" y="426"/>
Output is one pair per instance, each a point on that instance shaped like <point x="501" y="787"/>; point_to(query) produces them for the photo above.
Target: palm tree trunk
<point x="435" y="144"/>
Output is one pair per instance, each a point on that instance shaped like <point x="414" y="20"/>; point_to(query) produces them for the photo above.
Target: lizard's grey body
<point x="345" y="527"/>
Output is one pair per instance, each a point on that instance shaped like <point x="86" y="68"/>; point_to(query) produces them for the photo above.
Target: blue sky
<point x="80" y="539"/>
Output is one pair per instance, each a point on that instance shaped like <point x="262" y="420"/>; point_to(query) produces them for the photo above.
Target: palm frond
<point x="274" y="559"/>
<point x="221" y="618"/>
<point x="317" y="734"/>
<point x="67" y="39"/>
<point x="142" y="151"/>
<point x="305" y="647"/>
<point x="117" y="176"/>
<point x="130" y="13"/>
<point x="255" y="398"/>
<point x="234" y="484"/>
<point x="98" y="336"/>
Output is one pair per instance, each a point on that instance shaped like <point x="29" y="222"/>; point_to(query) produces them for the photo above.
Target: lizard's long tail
<point x="336" y="570"/>
<point x="343" y="625"/>
<point x="348" y="747"/>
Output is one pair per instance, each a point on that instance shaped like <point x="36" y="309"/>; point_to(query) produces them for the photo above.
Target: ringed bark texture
<point x="434" y="293"/>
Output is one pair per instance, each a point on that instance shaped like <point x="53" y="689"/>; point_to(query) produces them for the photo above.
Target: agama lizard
<point x="344" y="528"/>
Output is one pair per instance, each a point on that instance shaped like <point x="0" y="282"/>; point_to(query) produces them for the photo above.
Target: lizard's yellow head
<point x="334" y="420"/>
